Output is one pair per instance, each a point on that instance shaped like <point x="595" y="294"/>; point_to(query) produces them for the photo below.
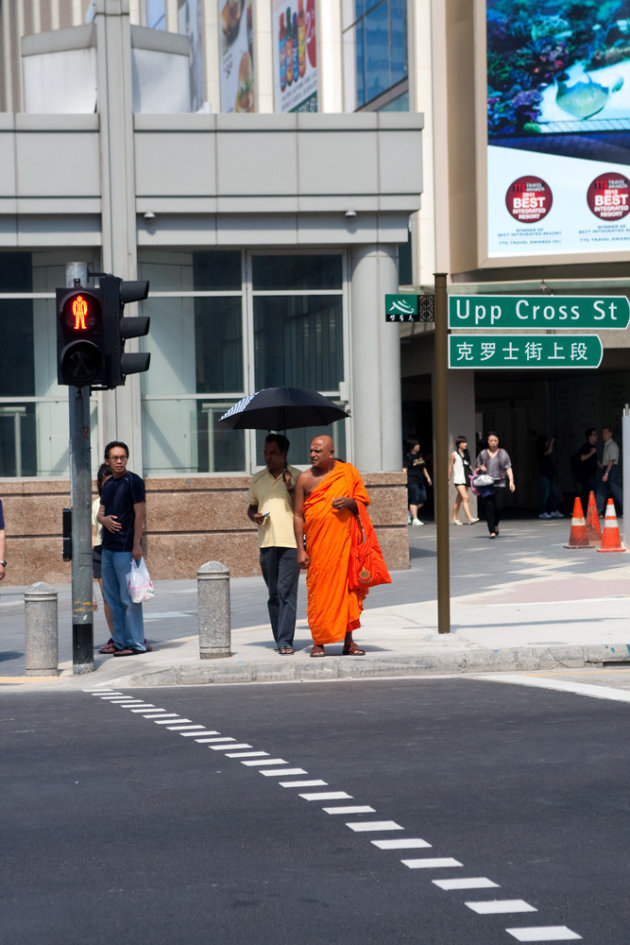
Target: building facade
<point x="269" y="240"/>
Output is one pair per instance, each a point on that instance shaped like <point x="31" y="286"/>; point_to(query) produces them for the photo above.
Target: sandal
<point x="353" y="650"/>
<point x="108" y="647"/>
<point x="318" y="650"/>
<point x="286" y="651"/>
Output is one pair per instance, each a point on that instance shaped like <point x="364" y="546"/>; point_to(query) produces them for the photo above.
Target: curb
<point x="331" y="668"/>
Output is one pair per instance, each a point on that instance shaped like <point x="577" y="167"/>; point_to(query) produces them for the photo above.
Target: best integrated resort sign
<point x="558" y="128"/>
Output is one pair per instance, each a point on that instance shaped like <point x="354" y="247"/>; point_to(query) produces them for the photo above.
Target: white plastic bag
<point x="139" y="583"/>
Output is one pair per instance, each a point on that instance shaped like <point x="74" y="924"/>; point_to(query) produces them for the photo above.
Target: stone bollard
<point x="40" y="624"/>
<point x="213" y="607"/>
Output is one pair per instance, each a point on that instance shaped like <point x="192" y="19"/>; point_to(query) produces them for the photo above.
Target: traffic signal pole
<point x="81" y="501"/>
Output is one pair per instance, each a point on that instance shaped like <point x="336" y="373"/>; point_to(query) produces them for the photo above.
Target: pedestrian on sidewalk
<point x="584" y="465"/>
<point x="326" y="508"/>
<point x="122" y="515"/>
<point x="549" y="495"/>
<point x="609" y="485"/>
<point x="495" y="461"/>
<point x="103" y="474"/>
<point x="3" y="544"/>
<point x="270" y="507"/>
<point x="459" y="472"/>
<point x="417" y="476"/>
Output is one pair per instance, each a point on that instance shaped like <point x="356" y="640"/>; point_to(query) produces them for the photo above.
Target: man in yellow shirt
<point x="270" y="507"/>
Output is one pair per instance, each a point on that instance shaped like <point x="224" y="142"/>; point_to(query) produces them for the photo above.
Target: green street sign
<point x="514" y="352"/>
<point x="538" y="312"/>
<point x="409" y="308"/>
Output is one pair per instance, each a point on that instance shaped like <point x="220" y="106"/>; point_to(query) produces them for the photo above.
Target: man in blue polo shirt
<point x="122" y="513"/>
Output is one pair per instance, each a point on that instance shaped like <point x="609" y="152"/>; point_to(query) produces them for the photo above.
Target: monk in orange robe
<point x="326" y="497"/>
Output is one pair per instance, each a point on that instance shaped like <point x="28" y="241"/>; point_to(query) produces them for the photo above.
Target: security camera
<point x="149" y="216"/>
<point x="350" y="214"/>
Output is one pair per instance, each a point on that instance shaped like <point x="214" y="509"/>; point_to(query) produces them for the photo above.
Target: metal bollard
<point x="40" y="624"/>
<point x="213" y="607"/>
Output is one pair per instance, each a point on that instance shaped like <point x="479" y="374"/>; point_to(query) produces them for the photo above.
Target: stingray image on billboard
<point x="558" y="113"/>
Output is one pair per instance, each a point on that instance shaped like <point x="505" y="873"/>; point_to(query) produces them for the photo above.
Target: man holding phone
<point x="270" y="507"/>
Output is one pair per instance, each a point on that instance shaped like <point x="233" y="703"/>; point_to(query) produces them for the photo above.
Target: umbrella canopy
<point x="282" y="408"/>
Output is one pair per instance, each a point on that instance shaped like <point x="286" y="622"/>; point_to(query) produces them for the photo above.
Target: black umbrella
<point x="282" y="408"/>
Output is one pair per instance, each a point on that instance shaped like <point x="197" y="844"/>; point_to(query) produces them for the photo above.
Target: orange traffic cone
<point x="611" y="540"/>
<point x="593" y="528"/>
<point x="577" y="536"/>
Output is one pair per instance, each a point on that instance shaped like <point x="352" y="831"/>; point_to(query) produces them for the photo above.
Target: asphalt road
<point x="122" y="824"/>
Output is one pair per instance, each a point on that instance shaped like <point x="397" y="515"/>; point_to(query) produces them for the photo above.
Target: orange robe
<point x="332" y="609"/>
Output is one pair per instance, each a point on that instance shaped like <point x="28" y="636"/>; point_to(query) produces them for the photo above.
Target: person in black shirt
<point x="417" y="475"/>
<point x="121" y="513"/>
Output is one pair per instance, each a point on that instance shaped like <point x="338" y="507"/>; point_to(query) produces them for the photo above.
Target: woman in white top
<point x="459" y="470"/>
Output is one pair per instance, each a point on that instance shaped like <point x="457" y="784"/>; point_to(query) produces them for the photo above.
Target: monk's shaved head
<point x="324" y="442"/>
<point x="322" y="453"/>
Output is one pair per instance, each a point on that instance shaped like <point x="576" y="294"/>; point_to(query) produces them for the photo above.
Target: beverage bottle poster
<point x="295" y="56"/>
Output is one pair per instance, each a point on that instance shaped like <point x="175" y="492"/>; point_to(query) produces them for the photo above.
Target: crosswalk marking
<point x="400" y="843"/>
<point x="498" y="906"/>
<point x="358" y="809"/>
<point x="432" y="863"/>
<point x="280" y="772"/>
<point x="375" y="825"/>
<point x="473" y="882"/>
<point x="545" y="933"/>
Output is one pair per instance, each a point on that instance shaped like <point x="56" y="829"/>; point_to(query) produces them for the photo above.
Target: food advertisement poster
<point x="237" y="55"/>
<point x="558" y="114"/>
<point x="295" y="56"/>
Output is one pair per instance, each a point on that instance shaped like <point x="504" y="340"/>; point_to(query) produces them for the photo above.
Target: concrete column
<point x="213" y="606"/>
<point x="120" y="414"/>
<point x="375" y="356"/>
<point x="41" y="651"/>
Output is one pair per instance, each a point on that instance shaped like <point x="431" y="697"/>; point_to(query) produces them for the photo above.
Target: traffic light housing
<point x="80" y="337"/>
<point x="116" y="293"/>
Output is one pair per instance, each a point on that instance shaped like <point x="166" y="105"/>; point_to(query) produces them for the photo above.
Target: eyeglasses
<point x="117" y="459"/>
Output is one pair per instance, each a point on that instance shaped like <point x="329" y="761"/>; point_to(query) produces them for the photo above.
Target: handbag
<point x="481" y="481"/>
<point x="139" y="583"/>
<point x="367" y="565"/>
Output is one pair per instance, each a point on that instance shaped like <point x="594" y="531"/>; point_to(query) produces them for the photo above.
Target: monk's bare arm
<point x="298" y="522"/>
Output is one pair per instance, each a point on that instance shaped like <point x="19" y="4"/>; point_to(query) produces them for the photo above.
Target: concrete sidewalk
<point x="522" y="602"/>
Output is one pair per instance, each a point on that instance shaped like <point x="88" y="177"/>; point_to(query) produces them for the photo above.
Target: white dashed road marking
<point x="432" y="863"/>
<point x="401" y="843"/>
<point x="269" y="767"/>
<point x="358" y="809"/>
<point x="474" y="882"/>
<point x="497" y="906"/>
<point x="549" y="933"/>
<point x="363" y="826"/>
<point x="327" y="796"/>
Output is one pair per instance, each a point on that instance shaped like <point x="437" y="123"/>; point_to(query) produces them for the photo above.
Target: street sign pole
<point x="440" y="466"/>
<point x="80" y="500"/>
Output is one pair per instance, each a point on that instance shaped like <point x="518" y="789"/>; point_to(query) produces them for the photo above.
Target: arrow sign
<point x="515" y="352"/>
<point x="538" y="312"/>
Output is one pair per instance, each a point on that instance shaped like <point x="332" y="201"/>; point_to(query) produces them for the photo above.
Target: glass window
<point x="298" y="341"/>
<point x="206" y="323"/>
<point x="33" y="407"/>
<point x="296" y="272"/>
<point x="378" y="37"/>
<point x="216" y="271"/>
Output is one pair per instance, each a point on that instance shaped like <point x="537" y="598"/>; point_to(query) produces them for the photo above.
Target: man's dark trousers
<point x="281" y="573"/>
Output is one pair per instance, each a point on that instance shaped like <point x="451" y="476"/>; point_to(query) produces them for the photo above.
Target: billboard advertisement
<point x="558" y="128"/>
<point x="295" y="56"/>
<point x="238" y="91"/>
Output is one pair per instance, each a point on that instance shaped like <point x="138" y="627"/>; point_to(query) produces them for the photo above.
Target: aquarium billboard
<point x="557" y="113"/>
